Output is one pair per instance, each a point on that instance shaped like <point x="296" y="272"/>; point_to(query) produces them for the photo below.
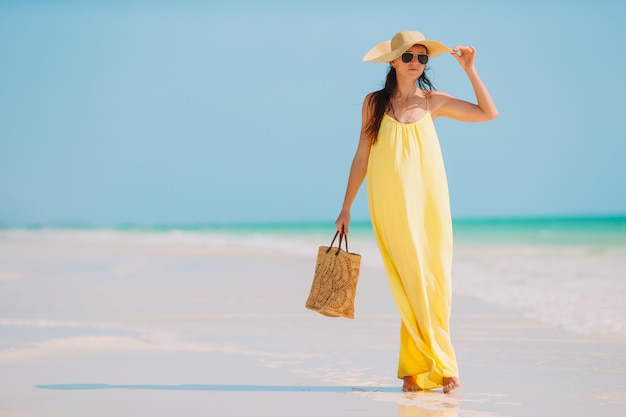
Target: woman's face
<point x="414" y="68"/>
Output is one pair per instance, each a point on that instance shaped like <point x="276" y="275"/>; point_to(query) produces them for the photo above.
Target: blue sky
<point x="189" y="112"/>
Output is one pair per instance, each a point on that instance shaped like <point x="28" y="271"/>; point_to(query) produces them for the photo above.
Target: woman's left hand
<point x="464" y="55"/>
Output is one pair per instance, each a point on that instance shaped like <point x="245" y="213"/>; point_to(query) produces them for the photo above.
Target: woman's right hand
<point x="343" y="221"/>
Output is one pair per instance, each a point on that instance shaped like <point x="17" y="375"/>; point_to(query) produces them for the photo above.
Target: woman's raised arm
<point x="445" y="105"/>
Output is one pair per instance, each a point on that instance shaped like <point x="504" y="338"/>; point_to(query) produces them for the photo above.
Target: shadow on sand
<point x="425" y="404"/>
<point x="231" y="388"/>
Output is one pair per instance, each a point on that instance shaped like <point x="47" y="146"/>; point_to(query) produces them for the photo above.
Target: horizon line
<point x="287" y="224"/>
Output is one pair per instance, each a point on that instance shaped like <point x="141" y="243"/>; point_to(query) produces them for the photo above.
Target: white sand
<point x="103" y="324"/>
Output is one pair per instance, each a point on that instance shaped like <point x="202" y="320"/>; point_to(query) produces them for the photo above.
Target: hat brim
<point x="383" y="53"/>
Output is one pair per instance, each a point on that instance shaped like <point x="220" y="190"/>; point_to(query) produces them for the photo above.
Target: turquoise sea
<point x="540" y="231"/>
<point x="608" y="230"/>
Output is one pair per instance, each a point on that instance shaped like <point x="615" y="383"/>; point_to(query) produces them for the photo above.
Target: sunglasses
<point x="408" y="57"/>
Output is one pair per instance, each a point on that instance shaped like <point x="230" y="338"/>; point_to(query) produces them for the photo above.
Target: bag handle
<point x="341" y="237"/>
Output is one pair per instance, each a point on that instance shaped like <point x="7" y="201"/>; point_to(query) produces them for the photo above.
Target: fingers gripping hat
<point x="389" y="50"/>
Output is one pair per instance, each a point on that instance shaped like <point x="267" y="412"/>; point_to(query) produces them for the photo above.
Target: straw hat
<point x="400" y="43"/>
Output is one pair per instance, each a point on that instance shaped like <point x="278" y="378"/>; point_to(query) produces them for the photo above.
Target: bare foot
<point x="410" y="384"/>
<point x="450" y="384"/>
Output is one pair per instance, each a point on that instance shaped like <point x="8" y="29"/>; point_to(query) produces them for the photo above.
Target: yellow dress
<point x="410" y="213"/>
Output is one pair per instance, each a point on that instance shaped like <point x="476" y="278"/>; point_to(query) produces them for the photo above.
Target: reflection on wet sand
<point x="428" y="404"/>
<point x="417" y="411"/>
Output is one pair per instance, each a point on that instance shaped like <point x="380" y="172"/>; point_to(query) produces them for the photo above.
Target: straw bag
<point x="334" y="284"/>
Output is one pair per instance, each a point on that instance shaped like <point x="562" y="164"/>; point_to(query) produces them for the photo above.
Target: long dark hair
<point x="380" y="100"/>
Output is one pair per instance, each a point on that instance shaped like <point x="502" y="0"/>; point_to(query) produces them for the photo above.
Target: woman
<point x="408" y="197"/>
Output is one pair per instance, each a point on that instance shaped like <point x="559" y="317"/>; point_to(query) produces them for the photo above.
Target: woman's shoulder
<point x="369" y="98"/>
<point x="438" y="97"/>
<point x="437" y="93"/>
